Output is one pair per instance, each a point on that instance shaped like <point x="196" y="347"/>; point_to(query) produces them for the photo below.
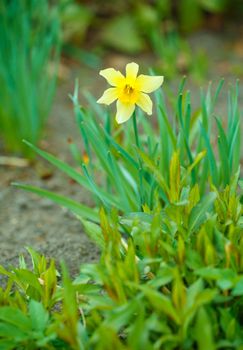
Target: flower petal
<point x="145" y="102"/>
<point x="147" y="83"/>
<point x="131" y="71"/>
<point x="124" y="111"/>
<point x="109" y="96"/>
<point x="114" y="77"/>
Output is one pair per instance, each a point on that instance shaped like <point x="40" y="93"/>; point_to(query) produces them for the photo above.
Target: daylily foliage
<point x="129" y="90"/>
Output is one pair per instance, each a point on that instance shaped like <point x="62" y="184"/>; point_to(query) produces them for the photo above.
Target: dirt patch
<point x="27" y="220"/>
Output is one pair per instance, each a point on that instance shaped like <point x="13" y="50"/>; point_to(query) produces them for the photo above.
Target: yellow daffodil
<point x="129" y="91"/>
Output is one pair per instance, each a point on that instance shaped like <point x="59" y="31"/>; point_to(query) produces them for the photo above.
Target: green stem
<point x="135" y="128"/>
<point x="141" y="188"/>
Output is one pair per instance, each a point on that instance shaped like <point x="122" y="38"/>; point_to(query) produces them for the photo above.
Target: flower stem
<point x="135" y="128"/>
<point x="141" y="188"/>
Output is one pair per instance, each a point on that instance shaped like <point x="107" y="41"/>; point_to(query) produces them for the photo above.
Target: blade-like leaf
<point x="77" y="208"/>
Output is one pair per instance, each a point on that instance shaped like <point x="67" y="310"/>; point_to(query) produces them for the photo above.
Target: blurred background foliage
<point x="32" y="33"/>
<point x="29" y="53"/>
<point x="127" y="25"/>
<point x="157" y="27"/>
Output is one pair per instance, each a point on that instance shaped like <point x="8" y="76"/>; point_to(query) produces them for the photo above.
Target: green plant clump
<point x="145" y="165"/>
<point x="165" y="287"/>
<point x="29" y="46"/>
<point x="170" y="231"/>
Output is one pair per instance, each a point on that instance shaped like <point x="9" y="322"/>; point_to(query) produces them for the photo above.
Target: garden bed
<point x="26" y="219"/>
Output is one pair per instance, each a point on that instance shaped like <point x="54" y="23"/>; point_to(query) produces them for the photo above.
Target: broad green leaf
<point x="193" y="292"/>
<point x="11" y="332"/>
<point x="94" y="232"/>
<point x="7" y="344"/>
<point x="38" y="315"/>
<point x="209" y="272"/>
<point x="28" y="278"/>
<point x="139" y="331"/>
<point x="121" y="316"/>
<point x="161" y="302"/>
<point x="15" y="317"/>
<point x="198" y="213"/>
<point x="238" y="289"/>
<point x="204" y="331"/>
<point x="193" y="199"/>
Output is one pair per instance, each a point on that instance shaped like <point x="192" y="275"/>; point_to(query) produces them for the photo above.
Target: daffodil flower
<point x="129" y="91"/>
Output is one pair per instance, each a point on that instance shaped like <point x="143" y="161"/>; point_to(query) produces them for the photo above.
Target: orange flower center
<point x="128" y="90"/>
<point x="128" y="94"/>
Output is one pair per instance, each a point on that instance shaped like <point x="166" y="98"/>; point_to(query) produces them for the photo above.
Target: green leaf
<point x="15" y="317"/>
<point x="74" y="174"/>
<point x="139" y="331"/>
<point x="238" y="289"/>
<point x="205" y="296"/>
<point x="210" y="157"/>
<point x="190" y="168"/>
<point x="94" y="232"/>
<point x="121" y="150"/>
<point x="209" y="272"/>
<point x="224" y="153"/>
<point x="120" y="317"/>
<point x="155" y="171"/>
<point x="193" y="291"/>
<point x="224" y="284"/>
<point x="38" y="315"/>
<point x="235" y="147"/>
<point x="219" y="87"/>
<point x="29" y="278"/>
<point x="170" y="132"/>
<point x="198" y="213"/>
<point x="161" y="303"/>
<point x="7" y="344"/>
<point x="204" y="331"/>
<point x="75" y="207"/>
<point x="175" y="177"/>
<point x="11" y="332"/>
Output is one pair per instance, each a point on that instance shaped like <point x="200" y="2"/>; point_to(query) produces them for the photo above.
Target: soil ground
<point x="26" y="219"/>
